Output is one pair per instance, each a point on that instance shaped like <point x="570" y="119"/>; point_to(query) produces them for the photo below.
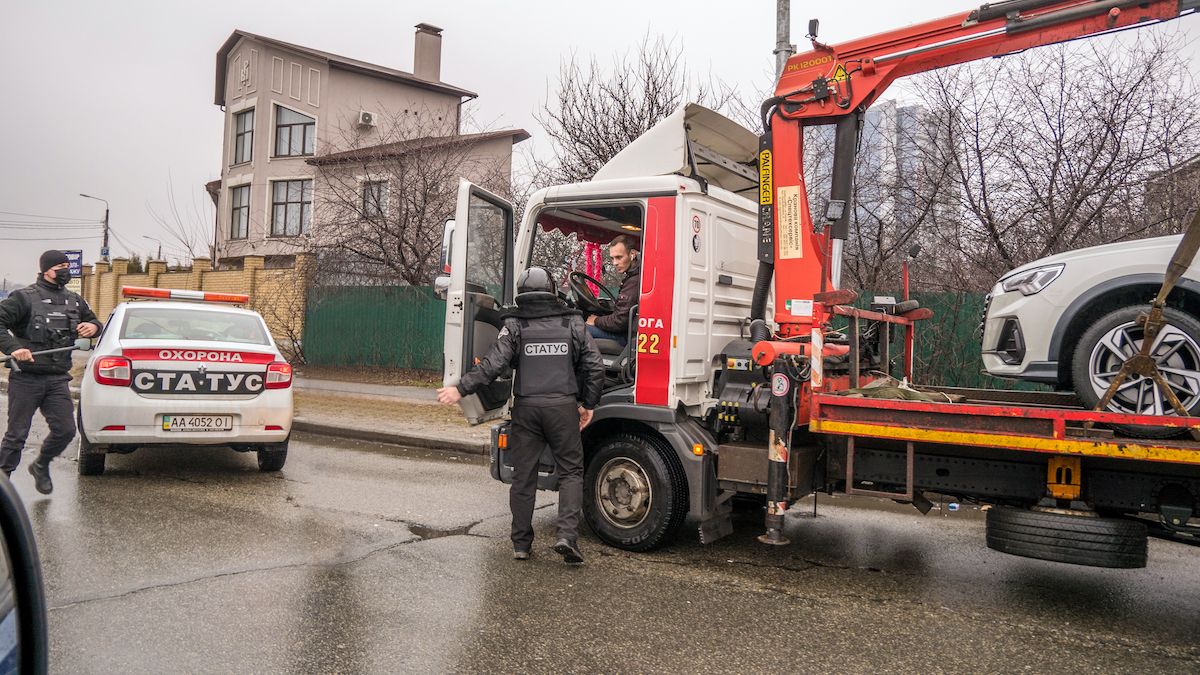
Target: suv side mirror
<point x="83" y="344"/>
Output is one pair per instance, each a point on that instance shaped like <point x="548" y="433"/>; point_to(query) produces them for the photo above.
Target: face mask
<point x="61" y="277"/>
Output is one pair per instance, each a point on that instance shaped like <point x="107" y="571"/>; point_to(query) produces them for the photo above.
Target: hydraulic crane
<point x="835" y="84"/>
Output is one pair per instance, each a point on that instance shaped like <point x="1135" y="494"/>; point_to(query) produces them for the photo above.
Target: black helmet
<point x="535" y="280"/>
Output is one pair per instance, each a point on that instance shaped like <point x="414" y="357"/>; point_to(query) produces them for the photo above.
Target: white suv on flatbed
<point x="1070" y="320"/>
<point x="185" y="373"/>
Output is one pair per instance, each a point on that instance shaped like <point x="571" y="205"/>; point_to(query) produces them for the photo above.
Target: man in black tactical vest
<point x="42" y="316"/>
<point x="559" y="375"/>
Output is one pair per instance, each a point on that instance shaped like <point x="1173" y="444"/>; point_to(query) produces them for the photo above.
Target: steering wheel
<point x="586" y="300"/>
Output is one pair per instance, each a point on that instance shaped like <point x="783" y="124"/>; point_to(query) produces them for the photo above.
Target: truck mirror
<point x="441" y="287"/>
<point x="447" y="232"/>
<point x="813" y="25"/>
<point x="914" y="251"/>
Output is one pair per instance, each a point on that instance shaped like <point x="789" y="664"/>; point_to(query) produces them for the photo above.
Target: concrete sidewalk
<point x="338" y="387"/>
<point x="399" y="415"/>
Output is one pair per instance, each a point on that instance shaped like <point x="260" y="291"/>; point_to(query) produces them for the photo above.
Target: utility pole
<point x="158" y="241"/>
<point x="104" y="246"/>
<point x="783" y="30"/>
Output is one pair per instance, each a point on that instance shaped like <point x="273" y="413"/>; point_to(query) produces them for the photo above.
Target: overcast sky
<point x="114" y="99"/>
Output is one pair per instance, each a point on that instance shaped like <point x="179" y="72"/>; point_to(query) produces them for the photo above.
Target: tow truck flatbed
<point x="983" y="421"/>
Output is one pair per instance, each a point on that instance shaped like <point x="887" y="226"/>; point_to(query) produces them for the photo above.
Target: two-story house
<point x="287" y="106"/>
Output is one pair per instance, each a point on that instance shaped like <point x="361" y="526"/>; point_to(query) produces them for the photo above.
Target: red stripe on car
<point x="197" y="355"/>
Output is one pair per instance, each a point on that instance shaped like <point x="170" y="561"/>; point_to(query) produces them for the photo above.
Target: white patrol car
<point x="192" y="373"/>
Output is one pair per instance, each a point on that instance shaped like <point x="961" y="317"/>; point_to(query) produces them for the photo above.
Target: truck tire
<point x="1095" y="364"/>
<point x="634" y="493"/>
<point x="272" y="457"/>
<point x="1079" y="540"/>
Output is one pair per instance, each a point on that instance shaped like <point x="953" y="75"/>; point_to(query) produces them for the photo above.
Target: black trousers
<point x="534" y="427"/>
<point x="26" y="395"/>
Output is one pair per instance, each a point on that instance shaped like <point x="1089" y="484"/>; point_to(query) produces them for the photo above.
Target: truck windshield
<point x="576" y="238"/>
<point x="165" y="323"/>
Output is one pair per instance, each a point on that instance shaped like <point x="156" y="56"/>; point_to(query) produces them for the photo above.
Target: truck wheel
<point x="1112" y="339"/>
<point x="272" y="457"/>
<point x="1060" y="537"/>
<point x="635" y="495"/>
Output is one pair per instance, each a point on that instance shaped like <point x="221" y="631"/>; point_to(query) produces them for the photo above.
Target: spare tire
<point x="1060" y="537"/>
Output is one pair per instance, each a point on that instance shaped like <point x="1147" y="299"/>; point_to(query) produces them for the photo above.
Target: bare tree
<point x="186" y="226"/>
<point x="382" y="199"/>
<point x="596" y="111"/>
<point x="1055" y="149"/>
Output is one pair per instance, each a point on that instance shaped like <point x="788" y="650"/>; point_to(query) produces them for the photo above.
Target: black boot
<point x="40" y="470"/>
<point x="569" y="550"/>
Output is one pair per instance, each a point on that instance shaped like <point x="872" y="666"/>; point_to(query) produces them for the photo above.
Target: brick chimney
<point x="427" y="53"/>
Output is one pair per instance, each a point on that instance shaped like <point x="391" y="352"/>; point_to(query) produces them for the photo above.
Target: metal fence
<point x="402" y="328"/>
<point x="372" y="326"/>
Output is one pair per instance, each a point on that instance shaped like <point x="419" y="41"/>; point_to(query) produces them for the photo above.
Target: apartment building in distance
<point x="286" y="107"/>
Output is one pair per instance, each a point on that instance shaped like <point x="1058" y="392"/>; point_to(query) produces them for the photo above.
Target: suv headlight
<point x="1032" y="281"/>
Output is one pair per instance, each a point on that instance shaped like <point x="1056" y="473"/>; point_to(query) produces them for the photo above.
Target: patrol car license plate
<point x="197" y="422"/>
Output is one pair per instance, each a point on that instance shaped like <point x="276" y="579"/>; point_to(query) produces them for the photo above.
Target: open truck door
<point x="478" y="263"/>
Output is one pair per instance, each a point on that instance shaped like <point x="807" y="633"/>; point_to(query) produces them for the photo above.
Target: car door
<point x="479" y="283"/>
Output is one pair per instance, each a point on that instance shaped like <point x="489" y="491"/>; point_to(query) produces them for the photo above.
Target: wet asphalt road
<point x="365" y="558"/>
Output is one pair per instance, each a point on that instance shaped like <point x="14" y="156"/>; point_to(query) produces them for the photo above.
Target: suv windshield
<point x="162" y="323"/>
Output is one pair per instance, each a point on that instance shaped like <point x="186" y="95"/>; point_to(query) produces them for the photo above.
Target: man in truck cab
<point x="558" y="380"/>
<point x="625" y="253"/>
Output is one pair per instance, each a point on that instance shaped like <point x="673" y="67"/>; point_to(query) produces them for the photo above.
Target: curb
<point x="406" y="440"/>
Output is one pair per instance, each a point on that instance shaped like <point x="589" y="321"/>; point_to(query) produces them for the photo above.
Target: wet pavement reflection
<point x="366" y="558"/>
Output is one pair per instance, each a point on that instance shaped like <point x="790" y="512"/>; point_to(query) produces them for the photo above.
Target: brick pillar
<point x="199" y="267"/>
<point x="252" y="265"/>
<point x="120" y="267"/>
<point x="98" y="277"/>
<point x="86" y="283"/>
<point x="155" y="268"/>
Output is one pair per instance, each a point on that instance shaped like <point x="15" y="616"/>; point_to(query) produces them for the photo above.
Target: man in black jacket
<point x="626" y="256"/>
<point x="559" y="375"/>
<point x="42" y="316"/>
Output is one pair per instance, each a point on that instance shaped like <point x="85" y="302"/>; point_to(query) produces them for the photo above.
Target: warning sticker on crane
<point x="839" y="74"/>
<point x="791" y="244"/>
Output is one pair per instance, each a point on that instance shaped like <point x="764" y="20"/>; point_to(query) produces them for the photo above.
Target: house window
<point x="243" y="139"/>
<point x="375" y="199"/>
<point x="291" y="207"/>
<point x="239" y="217"/>
<point x="294" y="133"/>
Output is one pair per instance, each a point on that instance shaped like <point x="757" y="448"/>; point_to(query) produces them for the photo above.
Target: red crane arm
<point x="832" y="81"/>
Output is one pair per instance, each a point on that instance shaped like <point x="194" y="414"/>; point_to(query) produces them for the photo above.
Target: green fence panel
<point x="948" y="351"/>
<point x="403" y="327"/>
<point x="392" y="327"/>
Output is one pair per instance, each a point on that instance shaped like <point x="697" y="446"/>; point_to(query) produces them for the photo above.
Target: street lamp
<point x="104" y="246"/>
<point x="159" y="255"/>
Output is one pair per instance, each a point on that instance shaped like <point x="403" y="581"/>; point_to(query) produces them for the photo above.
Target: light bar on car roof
<point x="177" y="294"/>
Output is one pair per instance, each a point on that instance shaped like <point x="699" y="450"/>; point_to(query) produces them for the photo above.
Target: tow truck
<point x="710" y="400"/>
